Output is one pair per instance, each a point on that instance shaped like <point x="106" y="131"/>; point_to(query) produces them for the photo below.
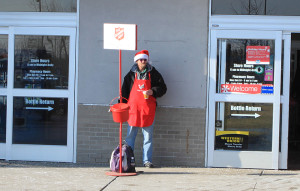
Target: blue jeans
<point x="147" y="144"/>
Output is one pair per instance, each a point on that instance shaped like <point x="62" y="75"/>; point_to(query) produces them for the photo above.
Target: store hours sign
<point x="41" y="73"/>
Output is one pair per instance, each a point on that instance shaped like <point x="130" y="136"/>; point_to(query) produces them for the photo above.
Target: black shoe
<point x="148" y="165"/>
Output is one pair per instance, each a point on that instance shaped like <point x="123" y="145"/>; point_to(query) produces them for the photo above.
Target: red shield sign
<point x="119" y="33"/>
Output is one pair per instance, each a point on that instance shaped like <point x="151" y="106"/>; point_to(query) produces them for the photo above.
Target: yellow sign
<point x="232" y="132"/>
<point x="232" y="140"/>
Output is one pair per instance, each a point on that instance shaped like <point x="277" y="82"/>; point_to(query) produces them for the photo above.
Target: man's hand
<point x="149" y="92"/>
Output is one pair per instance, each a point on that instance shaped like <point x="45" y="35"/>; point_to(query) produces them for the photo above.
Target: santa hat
<point x="143" y="54"/>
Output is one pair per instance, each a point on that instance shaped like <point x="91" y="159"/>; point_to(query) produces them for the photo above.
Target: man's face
<point x="141" y="64"/>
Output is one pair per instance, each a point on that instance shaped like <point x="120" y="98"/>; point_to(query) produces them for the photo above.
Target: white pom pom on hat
<point x="143" y="54"/>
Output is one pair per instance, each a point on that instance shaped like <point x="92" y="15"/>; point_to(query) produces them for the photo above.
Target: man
<point x="141" y="86"/>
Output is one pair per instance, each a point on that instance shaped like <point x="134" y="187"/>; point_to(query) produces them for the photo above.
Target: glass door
<point x="244" y="99"/>
<point x="40" y="94"/>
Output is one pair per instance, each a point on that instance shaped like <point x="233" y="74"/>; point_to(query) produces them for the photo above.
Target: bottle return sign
<point x="120" y="36"/>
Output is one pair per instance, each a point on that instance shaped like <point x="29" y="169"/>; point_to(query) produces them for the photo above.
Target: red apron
<point x="142" y="111"/>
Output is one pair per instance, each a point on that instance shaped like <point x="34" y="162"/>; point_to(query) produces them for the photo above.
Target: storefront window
<point x="3" y="60"/>
<point x="38" y="6"/>
<point x="40" y="120"/>
<point x="245" y="66"/>
<point x="2" y="119"/>
<point x="41" y="62"/>
<point x="256" y="7"/>
<point x="243" y="126"/>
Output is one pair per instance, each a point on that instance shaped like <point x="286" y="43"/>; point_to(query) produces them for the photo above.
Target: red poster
<point x="258" y="55"/>
<point x="241" y="88"/>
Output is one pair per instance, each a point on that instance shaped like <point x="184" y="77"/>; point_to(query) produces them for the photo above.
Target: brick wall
<point x="179" y="136"/>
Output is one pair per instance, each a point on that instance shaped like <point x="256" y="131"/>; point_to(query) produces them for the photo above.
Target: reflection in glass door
<point x="244" y="100"/>
<point x="40" y="96"/>
<point x="3" y="91"/>
<point x="247" y="126"/>
<point x="40" y="120"/>
<point x="3" y="60"/>
<point x="41" y="62"/>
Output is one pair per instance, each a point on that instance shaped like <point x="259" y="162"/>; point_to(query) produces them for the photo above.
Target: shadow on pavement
<point x="33" y="164"/>
<point x="169" y="173"/>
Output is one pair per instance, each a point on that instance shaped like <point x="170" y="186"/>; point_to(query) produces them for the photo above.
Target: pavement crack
<point x="262" y="172"/>
<point x="108" y="183"/>
<point x="255" y="186"/>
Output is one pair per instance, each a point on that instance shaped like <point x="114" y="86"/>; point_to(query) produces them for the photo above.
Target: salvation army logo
<point x="119" y="33"/>
<point x="142" y="86"/>
<point x="224" y="88"/>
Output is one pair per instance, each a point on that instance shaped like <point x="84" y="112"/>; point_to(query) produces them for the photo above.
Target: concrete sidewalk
<point x="15" y="176"/>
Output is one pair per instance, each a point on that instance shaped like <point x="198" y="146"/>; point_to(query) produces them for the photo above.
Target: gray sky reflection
<point x="34" y="5"/>
<point x="256" y="7"/>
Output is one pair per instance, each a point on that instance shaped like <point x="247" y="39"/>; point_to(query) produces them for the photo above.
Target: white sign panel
<point x="120" y="36"/>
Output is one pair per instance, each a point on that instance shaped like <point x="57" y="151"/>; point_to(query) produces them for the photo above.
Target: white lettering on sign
<point x="238" y="65"/>
<point x="40" y="60"/>
<point x="35" y="71"/>
<point x="235" y="76"/>
<point x="252" y="108"/>
<point x="244" y="108"/>
<point x="237" y="108"/>
<point x="31" y="101"/>
<point x="36" y="101"/>
<point x="242" y="89"/>
<point x="38" y="64"/>
<point x="247" y="70"/>
<point x="248" y="66"/>
<point x="46" y="102"/>
<point x="34" y="60"/>
<point x="45" y="60"/>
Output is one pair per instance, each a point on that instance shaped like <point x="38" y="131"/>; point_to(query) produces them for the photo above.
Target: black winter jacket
<point x="158" y="85"/>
